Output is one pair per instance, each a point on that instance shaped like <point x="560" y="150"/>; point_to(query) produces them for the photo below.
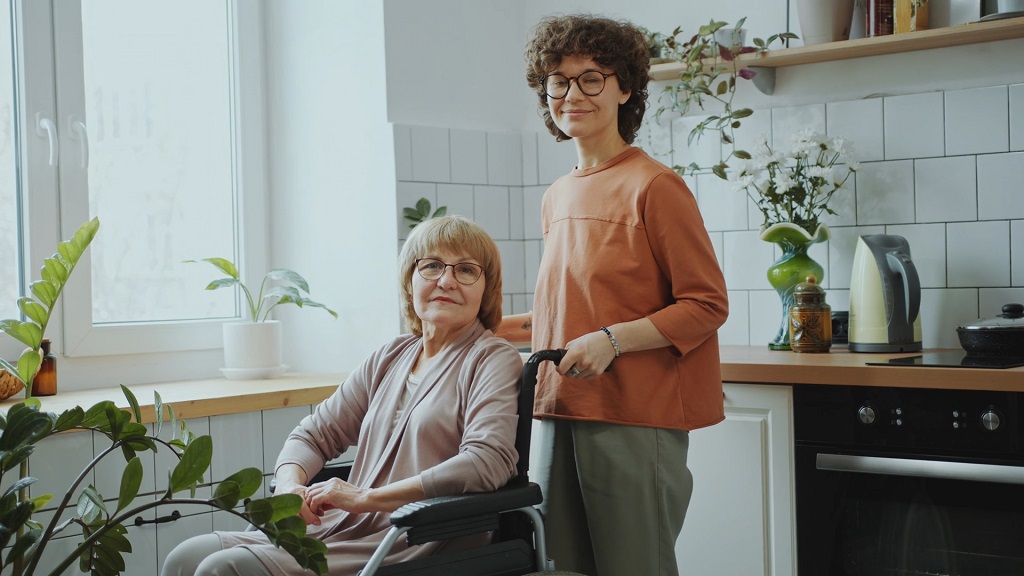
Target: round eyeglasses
<point x="590" y="83"/>
<point x="466" y="273"/>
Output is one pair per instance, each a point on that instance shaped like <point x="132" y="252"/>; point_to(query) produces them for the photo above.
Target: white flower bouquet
<point x="796" y="186"/>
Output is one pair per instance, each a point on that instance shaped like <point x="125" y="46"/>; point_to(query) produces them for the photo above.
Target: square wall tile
<point x="1017" y="117"/>
<point x="515" y="213"/>
<point x="704" y="151"/>
<point x="858" y="122"/>
<point x="504" y="159"/>
<point x="521" y="303"/>
<point x="533" y="250"/>
<point x="403" y="152"/>
<point x="718" y="245"/>
<point x="407" y="194"/>
<point x="927" y="249"/>
<point x="746" y="260"/>
<point x="229" y="455"/>
<point x="844" y="204"/>
<point x="491" y="210"/>
<point x="765" y="317"/>
<point x="458" y="198"/>
<point x="431" y="154"/>
<point x="942" y="310"/>
<point x="946" y="189"/>
<point x="736" y="330"/>
<point x="513" y="271"/>
<point x="1017" y="252"/>
<point x="913" y="126"/>
<point x="978" y="254"/>
<point x="788" y="122"/>
<point x="469" y="157"/>
<point x="885" y="193"/>
<point x="58" y="459"/>
<point x="529" y="158"/>
<point x="841" y="249"/>
<point x="992" y="300"/>
<point x="532" y="196"/>
<point x="722" y="207"/>
<point x="1001" y="186"/>
<point x="277" y="425"/>
<point x="976" y="120"/>
<point x="555" y="159"/>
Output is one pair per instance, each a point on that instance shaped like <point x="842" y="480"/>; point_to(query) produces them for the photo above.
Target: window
<point x="141" y="113"/>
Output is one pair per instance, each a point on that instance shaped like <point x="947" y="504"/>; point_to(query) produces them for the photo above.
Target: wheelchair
<point x="510" y="513"/>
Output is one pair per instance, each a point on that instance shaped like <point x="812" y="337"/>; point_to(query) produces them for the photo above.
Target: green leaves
<point x="193" y="464"/>
<point x="421" y="212"/>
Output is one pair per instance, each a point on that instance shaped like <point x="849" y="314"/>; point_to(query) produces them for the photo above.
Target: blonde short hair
<point x="451" y="234"/>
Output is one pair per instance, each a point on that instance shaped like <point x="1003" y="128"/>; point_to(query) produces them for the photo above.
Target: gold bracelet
<point x="615" y="343"/>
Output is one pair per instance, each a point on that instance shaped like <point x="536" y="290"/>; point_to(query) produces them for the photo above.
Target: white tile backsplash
<point x="1001" y="186"/>
<point x="976" y="120"/>
<point x="978" y="254"/>
<point x="469" y="157"/>
<point x="885" y="193"/>
<point x="932" y="171"/>
<point x="431" y="155"/>
<point x="704" y="150"/>
<point x="859" y="122"/>
<point x="913" y="126"/>
<point x="946" y="189"/>
<point x="504" y="157"/>
<point x="1017" y="117"/>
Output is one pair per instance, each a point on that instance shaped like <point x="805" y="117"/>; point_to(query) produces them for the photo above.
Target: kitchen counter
<point x="759" y="365"/>
<point x="745" y="364"/>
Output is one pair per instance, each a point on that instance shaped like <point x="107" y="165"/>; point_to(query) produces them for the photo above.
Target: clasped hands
<point x="331" y="494"/>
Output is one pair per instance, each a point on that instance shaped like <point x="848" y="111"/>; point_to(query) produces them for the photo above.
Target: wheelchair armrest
<point x="448" y="508"/>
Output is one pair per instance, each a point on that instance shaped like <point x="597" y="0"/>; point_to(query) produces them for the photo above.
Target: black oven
<point x="906" y="481"/>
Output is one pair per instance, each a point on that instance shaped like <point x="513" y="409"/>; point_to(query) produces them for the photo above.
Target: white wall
<point x="332" y="177"/>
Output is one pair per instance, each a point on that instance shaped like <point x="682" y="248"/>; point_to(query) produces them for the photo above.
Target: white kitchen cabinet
<point x="741" y="518"/>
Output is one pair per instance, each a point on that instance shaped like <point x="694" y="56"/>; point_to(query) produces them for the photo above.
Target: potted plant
<point x="421" y="211"/>
<point x="252" y="348"/>
<point x="792" y="189"/>
<point x="38" y="307"/>
<point x="104" y="542"/>
<point x="709" y="75"/>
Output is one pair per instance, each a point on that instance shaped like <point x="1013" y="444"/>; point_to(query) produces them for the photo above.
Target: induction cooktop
<point x="955" y="359"/>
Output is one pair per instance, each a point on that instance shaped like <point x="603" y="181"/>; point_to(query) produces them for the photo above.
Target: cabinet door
<point x="740" y="519"/>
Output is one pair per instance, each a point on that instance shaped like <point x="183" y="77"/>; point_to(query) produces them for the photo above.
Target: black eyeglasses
<point x="590" y="83"/>
<point x="466" y="273"/>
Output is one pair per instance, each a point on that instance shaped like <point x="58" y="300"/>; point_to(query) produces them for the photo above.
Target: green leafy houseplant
<point x="708" y="76"/>
<point x="38" y="308"/>
<point x="290" y="292"/>
<point x="420" y="212"/>
<point x="104" y="542"/>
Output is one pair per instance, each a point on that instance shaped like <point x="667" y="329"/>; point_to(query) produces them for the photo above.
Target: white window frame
<point x="49" y="219"/>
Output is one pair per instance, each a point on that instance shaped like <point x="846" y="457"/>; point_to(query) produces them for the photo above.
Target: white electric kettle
<point x="885" y="296"/>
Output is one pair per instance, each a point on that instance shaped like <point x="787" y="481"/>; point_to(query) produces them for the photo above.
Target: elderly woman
<point x="432" y="412"/>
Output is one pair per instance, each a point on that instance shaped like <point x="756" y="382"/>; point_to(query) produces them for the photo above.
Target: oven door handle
<point x="922" y="468"/>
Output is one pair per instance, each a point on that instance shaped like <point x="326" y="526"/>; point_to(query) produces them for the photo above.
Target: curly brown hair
<point x="616" y="44"/>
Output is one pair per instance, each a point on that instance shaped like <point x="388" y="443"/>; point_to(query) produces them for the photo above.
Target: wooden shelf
<point x="963" y="34"/>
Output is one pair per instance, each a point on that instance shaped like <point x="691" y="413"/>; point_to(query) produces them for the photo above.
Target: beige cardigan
<point x="457" y="432"/>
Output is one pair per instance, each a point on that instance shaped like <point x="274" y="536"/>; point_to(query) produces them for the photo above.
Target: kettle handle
<point x="901" y="264"/>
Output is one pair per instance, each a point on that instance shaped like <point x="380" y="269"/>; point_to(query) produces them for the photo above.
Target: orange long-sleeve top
<point x="625" y="240"/>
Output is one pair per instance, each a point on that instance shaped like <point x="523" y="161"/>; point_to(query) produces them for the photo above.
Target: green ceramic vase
<point x="792" y="268"/>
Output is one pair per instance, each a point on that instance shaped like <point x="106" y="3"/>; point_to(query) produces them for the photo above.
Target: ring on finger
<point x="574" y="371"/>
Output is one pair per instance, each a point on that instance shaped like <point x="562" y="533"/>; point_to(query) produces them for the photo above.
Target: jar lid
<point x="809" y="291"/>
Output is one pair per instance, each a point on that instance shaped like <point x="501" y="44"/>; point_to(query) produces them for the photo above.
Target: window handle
<point x="46" y="127"/>
<point x="81" y="134"/>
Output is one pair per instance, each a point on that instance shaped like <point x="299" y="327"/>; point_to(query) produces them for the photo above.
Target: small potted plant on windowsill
<point x="252" y="348"/>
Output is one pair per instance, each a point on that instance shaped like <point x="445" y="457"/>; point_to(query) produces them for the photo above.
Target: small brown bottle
<point x="810" y="319"/>
<point x="45" y="382"/>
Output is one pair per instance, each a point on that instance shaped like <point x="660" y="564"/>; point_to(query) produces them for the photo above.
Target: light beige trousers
<point x="614" y="496"/>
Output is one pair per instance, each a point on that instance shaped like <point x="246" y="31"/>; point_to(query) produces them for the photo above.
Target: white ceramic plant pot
<point x="252" y="350"/>
<point x="824" y="20"/>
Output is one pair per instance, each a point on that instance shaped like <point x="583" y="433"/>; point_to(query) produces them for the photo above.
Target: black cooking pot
<point x="1002" y="335"/>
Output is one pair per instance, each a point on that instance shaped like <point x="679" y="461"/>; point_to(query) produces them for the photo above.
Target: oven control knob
<point x="867" y="414"/>
<point x="990" y="420"/>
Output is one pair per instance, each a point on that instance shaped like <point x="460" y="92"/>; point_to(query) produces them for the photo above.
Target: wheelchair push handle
<point x="524" y="428"/>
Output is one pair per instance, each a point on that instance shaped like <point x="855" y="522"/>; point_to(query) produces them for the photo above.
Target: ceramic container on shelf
<point x="252" y="350"/>
<point x="810" y="318"/>
<point x="824" y="20"/>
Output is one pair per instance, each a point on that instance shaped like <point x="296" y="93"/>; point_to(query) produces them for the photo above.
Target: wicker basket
<point x="9" y="385"/>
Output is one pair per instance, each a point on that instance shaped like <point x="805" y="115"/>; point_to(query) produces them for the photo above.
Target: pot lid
<point x="1012" y="319"/>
